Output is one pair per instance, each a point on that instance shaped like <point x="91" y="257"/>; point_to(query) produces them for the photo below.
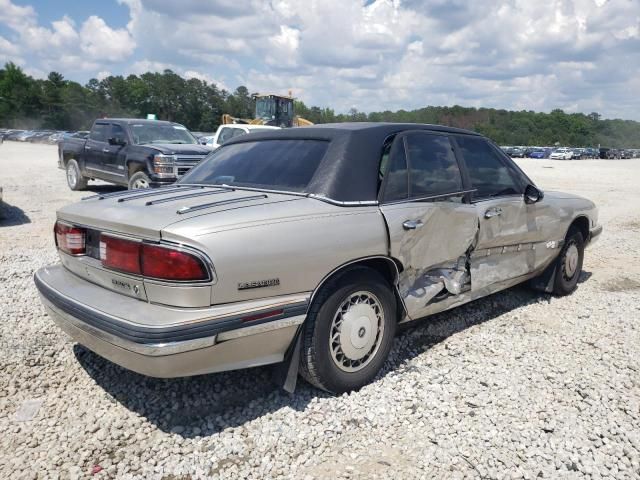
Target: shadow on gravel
<point x="11" y="216"/>
<point x="195" y="406"/>
<point x="207" y="404"/>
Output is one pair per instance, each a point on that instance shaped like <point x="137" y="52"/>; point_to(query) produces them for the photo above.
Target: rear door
<point x="510" y="242"/>
<point x="431" y="228"/>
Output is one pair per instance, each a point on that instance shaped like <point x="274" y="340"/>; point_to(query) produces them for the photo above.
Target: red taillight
<point x="150" y="260"/>
<point x="120" y="254"/>
<point x="169" y="264"/>
<point x="70" y="239"/>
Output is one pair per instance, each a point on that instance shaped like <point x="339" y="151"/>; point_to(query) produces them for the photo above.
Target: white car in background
<point x="229" y="131"/>
<point x="562" y="153"/>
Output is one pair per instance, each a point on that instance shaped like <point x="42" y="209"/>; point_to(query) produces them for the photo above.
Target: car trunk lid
<point x="145" y="213"/>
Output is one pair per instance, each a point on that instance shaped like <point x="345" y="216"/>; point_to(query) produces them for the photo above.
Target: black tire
<point x="318" y="365"/>
<point x="138" y="180"/>
<point x="569" y="263"/>
<point x="75" y="180"/>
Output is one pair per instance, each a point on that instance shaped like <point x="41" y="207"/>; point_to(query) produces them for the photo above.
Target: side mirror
<point x="116" y="141"/>
<point x="532" y="194"/>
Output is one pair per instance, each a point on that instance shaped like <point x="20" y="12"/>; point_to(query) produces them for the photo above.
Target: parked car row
<point x="570" y="153"/>
<point x="39" y="136"/>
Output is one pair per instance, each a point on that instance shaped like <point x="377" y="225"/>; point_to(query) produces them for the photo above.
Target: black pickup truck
<point x="132" y="152"/>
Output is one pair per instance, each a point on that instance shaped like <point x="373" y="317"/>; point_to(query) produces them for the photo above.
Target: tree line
<point x="59" y="104"/>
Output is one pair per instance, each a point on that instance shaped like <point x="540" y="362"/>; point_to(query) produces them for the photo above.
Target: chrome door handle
<point x="105" y="150"/>
<point x="493" y="212"/>
<point x="412" y="224"/>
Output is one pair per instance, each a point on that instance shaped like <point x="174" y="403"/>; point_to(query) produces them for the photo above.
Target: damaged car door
<point x="431" y="229"/>
<point x="510" y="240"/>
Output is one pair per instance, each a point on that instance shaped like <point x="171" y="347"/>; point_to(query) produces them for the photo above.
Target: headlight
<point x="163" y="165"/>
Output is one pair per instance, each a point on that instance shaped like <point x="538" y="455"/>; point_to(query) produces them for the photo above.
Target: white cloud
<point x="8" y="48"/>
<point x="205" y="77"/>
<point x="99" y="41"/>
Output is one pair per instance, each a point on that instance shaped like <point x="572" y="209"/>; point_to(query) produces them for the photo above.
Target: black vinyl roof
<point x="349" y="170"/>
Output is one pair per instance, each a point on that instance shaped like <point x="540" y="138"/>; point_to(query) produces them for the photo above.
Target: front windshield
<point x="264" y="108"/>
<point x="160" y="133"/>
<point x="287" y="165"/>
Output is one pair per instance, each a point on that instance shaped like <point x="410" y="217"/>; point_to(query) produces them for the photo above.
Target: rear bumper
<point x="181" y="342"/>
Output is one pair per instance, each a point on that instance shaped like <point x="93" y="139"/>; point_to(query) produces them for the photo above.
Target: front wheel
<point x="349" y="332"/>
<point x="75" y="180"/>
<point x="139" y="180"/>
<point x="569" y="264"/>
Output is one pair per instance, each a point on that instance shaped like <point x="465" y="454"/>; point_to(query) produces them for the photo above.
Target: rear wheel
<point x="569" y="264"/>
<point x="139" y="180"/>
<point x="349" y="331"/>
<point x="75" y="180"/>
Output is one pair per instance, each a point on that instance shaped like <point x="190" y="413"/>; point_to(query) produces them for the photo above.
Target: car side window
<point x="228" y="133"/>
<point x="225" y="135"/>
<point x="397" y="176"/>
<point x="433" y="169"/>
<point x="489" y="175"/>
<point x="237" y="132"/>
<point x="99" y="132"/>
<point x="117" y="132"/>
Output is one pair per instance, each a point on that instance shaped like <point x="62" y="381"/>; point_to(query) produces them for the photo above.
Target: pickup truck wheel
<point x="139" y="180"/>
<point x="75" y="180"/>
<point x="569" y="263"/>
<point x="349" y="332"/>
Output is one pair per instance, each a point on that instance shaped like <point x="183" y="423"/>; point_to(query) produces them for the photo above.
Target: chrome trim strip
<point x="137" y="195"/>
<point x="359" y="203"/>
<point x="105" y="171"/>
<point x="261" y="328"/>
<point x="179" y="156"/>
<point x="430" y="197"/>
<point x="351" y="262"/>
<point x="103" y="196"/>
<point x="121" y="331"/>
<point x="184" y="210"/>
<point x="251" y="189"/>
<point x="150" y="349"/>
<point x="187" y="195"/>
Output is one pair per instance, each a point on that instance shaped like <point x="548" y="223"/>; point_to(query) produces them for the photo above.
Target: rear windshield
<point x="270" y="164"/>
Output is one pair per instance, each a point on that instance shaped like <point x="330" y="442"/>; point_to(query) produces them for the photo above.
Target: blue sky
<point x="115" y="14"/>
<point x="578" y="55"/>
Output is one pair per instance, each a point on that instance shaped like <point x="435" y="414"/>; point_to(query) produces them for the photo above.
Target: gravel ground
<point x="517" y="385"/>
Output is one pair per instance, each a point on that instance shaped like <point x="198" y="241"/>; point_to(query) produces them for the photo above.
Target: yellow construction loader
<point x="273" y="110"/>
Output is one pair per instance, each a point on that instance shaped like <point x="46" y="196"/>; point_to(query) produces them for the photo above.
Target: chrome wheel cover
<point x="140" y="183"/>
<point x="72" y="176"/>
<point x="570" y="264"/>
<point x="356" y="331"/>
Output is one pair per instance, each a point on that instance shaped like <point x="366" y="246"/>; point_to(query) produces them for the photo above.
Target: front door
<point x="510" y="243"/>
<point x="114" y="154"/>
<point x="431" y="228"/>
<point x="94" y="149"/>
